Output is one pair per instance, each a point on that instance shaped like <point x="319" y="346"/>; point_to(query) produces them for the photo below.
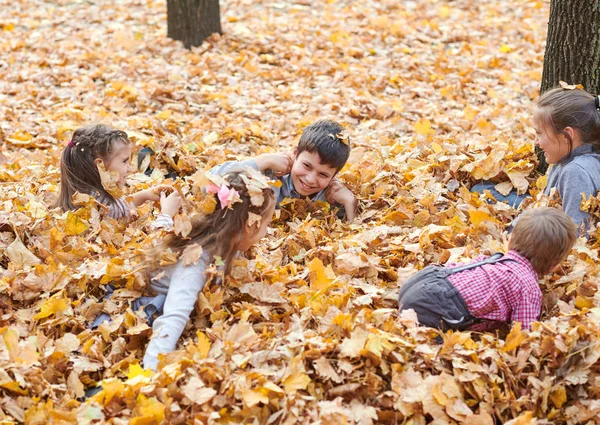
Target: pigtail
<point x="78" y="170"/>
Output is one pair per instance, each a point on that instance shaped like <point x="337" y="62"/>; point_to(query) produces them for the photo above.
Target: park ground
<point x="435" y="95"/>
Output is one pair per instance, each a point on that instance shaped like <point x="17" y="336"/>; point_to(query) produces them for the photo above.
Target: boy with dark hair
<point x="322" y="152"/>
<point x="489" y="292"/>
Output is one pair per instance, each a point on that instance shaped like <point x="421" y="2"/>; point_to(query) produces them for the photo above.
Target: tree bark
<point x="192" y="21"/>
<point x="572" y="48"/>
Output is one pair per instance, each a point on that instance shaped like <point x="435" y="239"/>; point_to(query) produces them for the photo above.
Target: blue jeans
<point x="513" y="198"/>
<point x="153" y="307"/>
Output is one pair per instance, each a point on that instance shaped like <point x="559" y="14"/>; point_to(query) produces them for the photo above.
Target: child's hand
<point x="155" y="193"/>
<point x="280" y="163"/>
<point x="151" y="194"/>
<point x="169" y="205"/>
<point x="338" y="193"/>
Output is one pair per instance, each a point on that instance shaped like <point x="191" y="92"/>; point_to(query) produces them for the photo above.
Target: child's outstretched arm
<point x="280" y="163"/>
<point x="151" y="194"/>
<point x="338" y="193"/>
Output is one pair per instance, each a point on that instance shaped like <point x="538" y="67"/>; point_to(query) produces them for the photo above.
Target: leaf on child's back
<point x="191" y="254"/>
<point x="182" y="225"/>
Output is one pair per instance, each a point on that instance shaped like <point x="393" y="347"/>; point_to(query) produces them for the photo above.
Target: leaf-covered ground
<point x="435" y="96"/>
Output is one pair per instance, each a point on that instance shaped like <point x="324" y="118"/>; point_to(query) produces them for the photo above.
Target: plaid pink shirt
<point x="506" y="291"/>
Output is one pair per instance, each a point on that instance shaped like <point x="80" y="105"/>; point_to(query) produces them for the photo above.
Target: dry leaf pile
<point x="434" y="96"/>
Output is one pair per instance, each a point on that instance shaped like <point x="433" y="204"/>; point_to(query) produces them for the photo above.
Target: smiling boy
<point x="321" y="153"/>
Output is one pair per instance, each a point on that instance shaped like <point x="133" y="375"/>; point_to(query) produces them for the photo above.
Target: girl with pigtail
<point x="97" y="150"/>
<point x="245" y="204"/>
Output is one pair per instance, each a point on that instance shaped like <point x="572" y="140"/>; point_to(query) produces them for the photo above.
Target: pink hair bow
<point x="226" y="195"/>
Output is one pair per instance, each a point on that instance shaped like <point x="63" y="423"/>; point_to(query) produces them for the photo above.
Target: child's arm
<point x="169" y="206"/>
<point x="186" y="283"/>
<point x="575" y="181"/>
<point x="151" y="194"/>
<point x="337" y="192"/>
<point x="527" y="310"/>
<point x="280" y="163"/>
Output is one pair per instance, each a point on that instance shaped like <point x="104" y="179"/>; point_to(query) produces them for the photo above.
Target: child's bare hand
<point x="280" y="163"/>
<point x="157" y="191"/>
<point x="340" y="194"/>
<point x="169" y="205"/>
<point x="151" y="194"/>
<point x="337" y="192"/>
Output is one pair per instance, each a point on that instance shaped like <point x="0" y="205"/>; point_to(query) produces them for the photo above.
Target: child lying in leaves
<point x="321" y="153"/>
<point x="489" y="292"/>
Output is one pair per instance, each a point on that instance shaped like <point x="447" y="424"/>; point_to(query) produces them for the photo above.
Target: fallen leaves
<point x="432" y="98"/>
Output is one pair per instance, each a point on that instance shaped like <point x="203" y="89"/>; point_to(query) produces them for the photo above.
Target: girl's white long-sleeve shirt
<point x="181" y="284"/>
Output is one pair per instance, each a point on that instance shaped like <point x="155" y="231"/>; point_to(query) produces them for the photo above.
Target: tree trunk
<point x="192" y="21"/>
<point x="572" y="48"/>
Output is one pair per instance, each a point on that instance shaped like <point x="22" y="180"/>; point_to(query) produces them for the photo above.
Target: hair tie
<point x="226" y="196"/>
<point x="597" y="102"/>
<point x="70" y="144"/>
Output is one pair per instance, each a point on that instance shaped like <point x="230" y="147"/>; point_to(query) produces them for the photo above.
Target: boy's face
<point x="309" y="176"/>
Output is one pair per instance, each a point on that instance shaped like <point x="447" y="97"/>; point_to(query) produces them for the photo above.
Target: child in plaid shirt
<point x="489" y="291"/>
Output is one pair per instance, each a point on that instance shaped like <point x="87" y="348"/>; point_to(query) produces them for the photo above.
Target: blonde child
<point x="493" y="290"/>
<point x="96" y="147"/>
<point x="245" y="206"/>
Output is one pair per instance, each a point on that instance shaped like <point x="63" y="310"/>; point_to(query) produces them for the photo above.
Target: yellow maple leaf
<point x="514" y="338"/>
<point x="320" y="277"/>
<point x="558" y="396"/>
<point x="296" y="381"/>
<point x="74" y="225"/>
<point x="436" y="147"/>
<point x="52" y="306"/>
<point x="164" y="114"/>
<point x="203" y="344"/>
<point x="252" y="398"/>
<point x="136" y="370"/>
<point x="477" y="217"/>
<point x="149" y="411"/>
<point x="110" y="389"/>
<point x="423" y="127"/>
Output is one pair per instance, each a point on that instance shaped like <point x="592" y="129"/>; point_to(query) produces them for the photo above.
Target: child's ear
<point x="99" y="161"/>
<point x="574" y="135"/>
<point x="295" y="153"/>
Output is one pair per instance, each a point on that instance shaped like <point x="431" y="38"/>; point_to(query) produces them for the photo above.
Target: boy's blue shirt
<point x="286" y="190"/>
